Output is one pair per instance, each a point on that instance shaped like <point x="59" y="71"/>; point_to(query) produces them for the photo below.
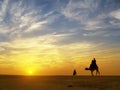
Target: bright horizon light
<point x="30" y="72"/>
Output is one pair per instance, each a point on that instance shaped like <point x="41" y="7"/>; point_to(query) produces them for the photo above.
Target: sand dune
<point x="59" y="83"/>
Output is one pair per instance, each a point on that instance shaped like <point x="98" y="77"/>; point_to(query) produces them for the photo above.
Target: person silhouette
<point x="93" y="64"/>
<point x="91" y="67"/>
<point x="74" y="72"/>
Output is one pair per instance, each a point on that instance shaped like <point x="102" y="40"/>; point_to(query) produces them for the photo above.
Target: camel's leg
<point x="97" y="71"/>
<point x="92" y="72"/>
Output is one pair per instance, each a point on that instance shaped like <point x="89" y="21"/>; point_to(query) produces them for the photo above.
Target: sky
<point x="54" y="37"/>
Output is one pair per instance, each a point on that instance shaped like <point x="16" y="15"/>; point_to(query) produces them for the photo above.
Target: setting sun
<point x="30" y="72"/>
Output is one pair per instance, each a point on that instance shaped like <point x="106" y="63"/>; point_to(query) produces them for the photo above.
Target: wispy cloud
<point x="19" y="18"/>
<point x="87" y="14"/>
<point x="3" y="6"/>
<point x="35" y="26"/>
<point x="79" y="10"/>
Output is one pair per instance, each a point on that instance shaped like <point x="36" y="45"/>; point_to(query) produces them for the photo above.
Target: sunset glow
<point x="30" y="72"/>
<point x="54" y="37"/>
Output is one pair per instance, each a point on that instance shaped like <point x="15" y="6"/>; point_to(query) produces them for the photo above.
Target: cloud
<point x="1" y="49"/>
<point x="20" y="18"/>
<point x="33" y="46"/>
<point x="37" y="26"/>
<point x="93" y="25"/>
<point x="3" y="8"/>
<point x="85" y="14"/>
<point x="79" y="10"/>
<point x="115" y="14"/>
<point x="97" y="33"/>
<point x="92" y="15"/>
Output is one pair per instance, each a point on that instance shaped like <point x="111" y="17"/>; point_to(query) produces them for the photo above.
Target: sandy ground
<point x="59" y="83"/>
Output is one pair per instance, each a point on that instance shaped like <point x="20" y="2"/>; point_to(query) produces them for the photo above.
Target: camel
<point x="97" y="71"/>
<point x="93" y="67"/>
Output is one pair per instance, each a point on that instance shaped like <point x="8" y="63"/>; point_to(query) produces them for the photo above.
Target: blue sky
<point x="80" y="26"/>
<point x="81" y="20"/>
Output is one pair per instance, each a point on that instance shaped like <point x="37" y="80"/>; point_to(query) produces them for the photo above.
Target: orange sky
<point x="58" y="60"/>
<point x="54" y="37"/>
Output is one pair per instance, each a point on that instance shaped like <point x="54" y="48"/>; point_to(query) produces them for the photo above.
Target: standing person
<point x="74" y="72"/>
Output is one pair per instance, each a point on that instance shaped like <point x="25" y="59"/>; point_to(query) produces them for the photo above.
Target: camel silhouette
<point x="93" y="67"/>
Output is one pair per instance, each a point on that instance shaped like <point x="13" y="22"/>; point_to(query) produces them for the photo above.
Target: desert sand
<point x="59" y="83"/>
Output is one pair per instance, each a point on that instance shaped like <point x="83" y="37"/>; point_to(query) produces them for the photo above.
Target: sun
<point x="30" y="72"/>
